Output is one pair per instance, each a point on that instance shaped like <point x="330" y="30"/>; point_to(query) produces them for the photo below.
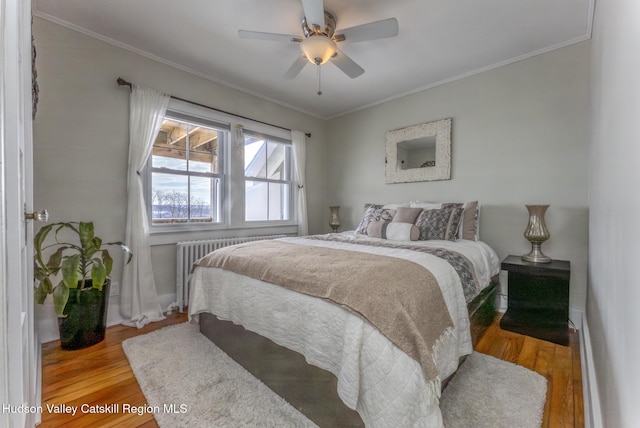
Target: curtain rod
<point x="123" y="82"/>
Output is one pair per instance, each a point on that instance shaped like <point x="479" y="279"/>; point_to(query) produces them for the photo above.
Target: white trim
<point x="591" y="395"/>
<point x="576" y="316"/>
<point x="4" y="346"/>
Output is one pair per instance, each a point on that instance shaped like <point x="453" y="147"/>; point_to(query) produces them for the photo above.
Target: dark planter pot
<point x="86" y="319"/>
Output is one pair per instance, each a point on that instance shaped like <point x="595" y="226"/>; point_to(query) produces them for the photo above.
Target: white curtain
<point x="139" y="303"/>
<point x="298" y="139"/>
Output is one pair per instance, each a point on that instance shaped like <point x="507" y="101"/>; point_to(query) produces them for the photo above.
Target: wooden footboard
<point x="310" y="389"/>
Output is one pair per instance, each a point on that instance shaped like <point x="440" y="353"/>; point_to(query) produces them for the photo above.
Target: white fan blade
<point x="370" y="31"/>
<point x="314" y="12"/>
<point x="258" y="35"/>
<point x="347" y="65"/>
<point x="296" y="67"/>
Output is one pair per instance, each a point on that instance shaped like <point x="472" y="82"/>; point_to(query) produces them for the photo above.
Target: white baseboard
<point x="575" y="317"/>
<point x="591" y="396"/>
<point x="167" y="301"/>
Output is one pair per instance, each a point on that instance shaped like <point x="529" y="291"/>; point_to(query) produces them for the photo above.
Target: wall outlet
<point x="115" y="289"/>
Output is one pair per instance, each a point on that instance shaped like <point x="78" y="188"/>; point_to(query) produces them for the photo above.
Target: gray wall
<point x="613" y="318"/>
<point x="81" y="136"/>
<point x="520" y="136"/>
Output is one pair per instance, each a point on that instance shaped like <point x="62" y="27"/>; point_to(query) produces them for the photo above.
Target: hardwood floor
<point x="100" y="376"/>
<point x="94" y="376"/>
<point x="560" y="365"/>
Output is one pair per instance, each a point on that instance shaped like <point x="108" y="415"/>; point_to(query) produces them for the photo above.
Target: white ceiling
<point x="438" y="41"/>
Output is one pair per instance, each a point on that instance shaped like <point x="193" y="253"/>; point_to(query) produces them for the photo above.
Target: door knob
<point x="37" y="216"/>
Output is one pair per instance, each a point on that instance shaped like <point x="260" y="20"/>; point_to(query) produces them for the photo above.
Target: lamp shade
<point x="318" y="48"/>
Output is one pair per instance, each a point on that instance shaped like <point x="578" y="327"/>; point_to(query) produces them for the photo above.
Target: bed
<point x="388" y="375"/>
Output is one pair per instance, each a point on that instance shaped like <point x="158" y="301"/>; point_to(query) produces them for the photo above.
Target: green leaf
<point x="123" y="247"/>
<point x="93" y="247"/>
<point x="60" y="298"/>
<point x="40" y="294"/>
<point x="56" y="258"/>
<point x="47" y="285"/>
<point x="70" y="271"/>
<point x="62" y="225"/>
<point x="38" y="240"/>
<point x="108" y="261"/>
<point x="38" y="273"/>
<point x="98" y="274"/>
<point x="86" y="233"/>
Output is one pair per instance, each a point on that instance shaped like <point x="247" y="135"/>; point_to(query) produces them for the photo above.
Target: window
<point x="187" y="172"/>
<point x="203" y="178"/>
<point x="267" y="177"/>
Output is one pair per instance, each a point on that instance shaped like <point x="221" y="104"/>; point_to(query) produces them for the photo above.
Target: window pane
<point x="170" y="147"/>
<point x="278" y="201"/>
<point x="276" y="162"/>
<point x="266" y="201"/>
<point x="169" y="198"/>
<point x="201" y="199"/>
<point x="256" y="200"/>
<point x="171" y="203"/>
<point x="203" y="150"/>
<point x="255" y="157"/>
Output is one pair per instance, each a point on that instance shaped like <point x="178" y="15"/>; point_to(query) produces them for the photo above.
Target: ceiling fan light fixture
<point x="318" y="48"/>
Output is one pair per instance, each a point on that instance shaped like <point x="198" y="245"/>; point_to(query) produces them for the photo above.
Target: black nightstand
<point x="538" y="299"/>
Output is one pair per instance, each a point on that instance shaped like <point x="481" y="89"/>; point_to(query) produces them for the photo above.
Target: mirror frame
<point x="441" y="129"/>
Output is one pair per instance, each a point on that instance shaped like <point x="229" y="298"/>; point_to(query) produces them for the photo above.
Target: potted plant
<point x="78" y="257"/>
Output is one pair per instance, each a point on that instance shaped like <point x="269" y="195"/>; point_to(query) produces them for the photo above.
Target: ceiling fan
<point x="319" y="43"/>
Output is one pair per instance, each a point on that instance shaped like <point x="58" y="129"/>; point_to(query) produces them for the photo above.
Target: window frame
<point x="221" y="175"/>
<point x="232" y="190"/>
<point x="290" y="181"/>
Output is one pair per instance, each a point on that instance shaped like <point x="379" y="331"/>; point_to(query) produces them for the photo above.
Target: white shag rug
<point x="188" y="381"/>
<point x="487" y="392"/>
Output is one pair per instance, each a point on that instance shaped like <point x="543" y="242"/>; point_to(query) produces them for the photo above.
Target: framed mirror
<point x="419" y="153"/>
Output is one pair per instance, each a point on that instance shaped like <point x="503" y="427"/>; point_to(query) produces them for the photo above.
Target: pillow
<point x="470" y="224"/>
<point x="374" y="212"/>
<point x="441" y="223"/>
<point x="395" y="231"/>
<point x="425" y="205"/>
<point x="406" y="215"/>
<point x="396" y="206"/>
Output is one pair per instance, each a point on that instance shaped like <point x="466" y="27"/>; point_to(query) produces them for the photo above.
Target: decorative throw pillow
<point x="470" y="223"/>
<point x="455" y="220"/>
<point x="439" y="223"/>
<point x="374" y="213"/>
<point x="406" y="215"/>
<point x="395" y="231"/>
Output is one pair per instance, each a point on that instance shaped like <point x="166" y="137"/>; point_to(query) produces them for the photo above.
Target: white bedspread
<point x="375" y="377"/>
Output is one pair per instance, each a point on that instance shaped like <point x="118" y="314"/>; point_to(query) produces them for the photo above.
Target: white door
<point x="19" y="351"/>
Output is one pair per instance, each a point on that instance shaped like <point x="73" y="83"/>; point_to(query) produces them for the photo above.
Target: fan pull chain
<point x="319" y="81"/>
